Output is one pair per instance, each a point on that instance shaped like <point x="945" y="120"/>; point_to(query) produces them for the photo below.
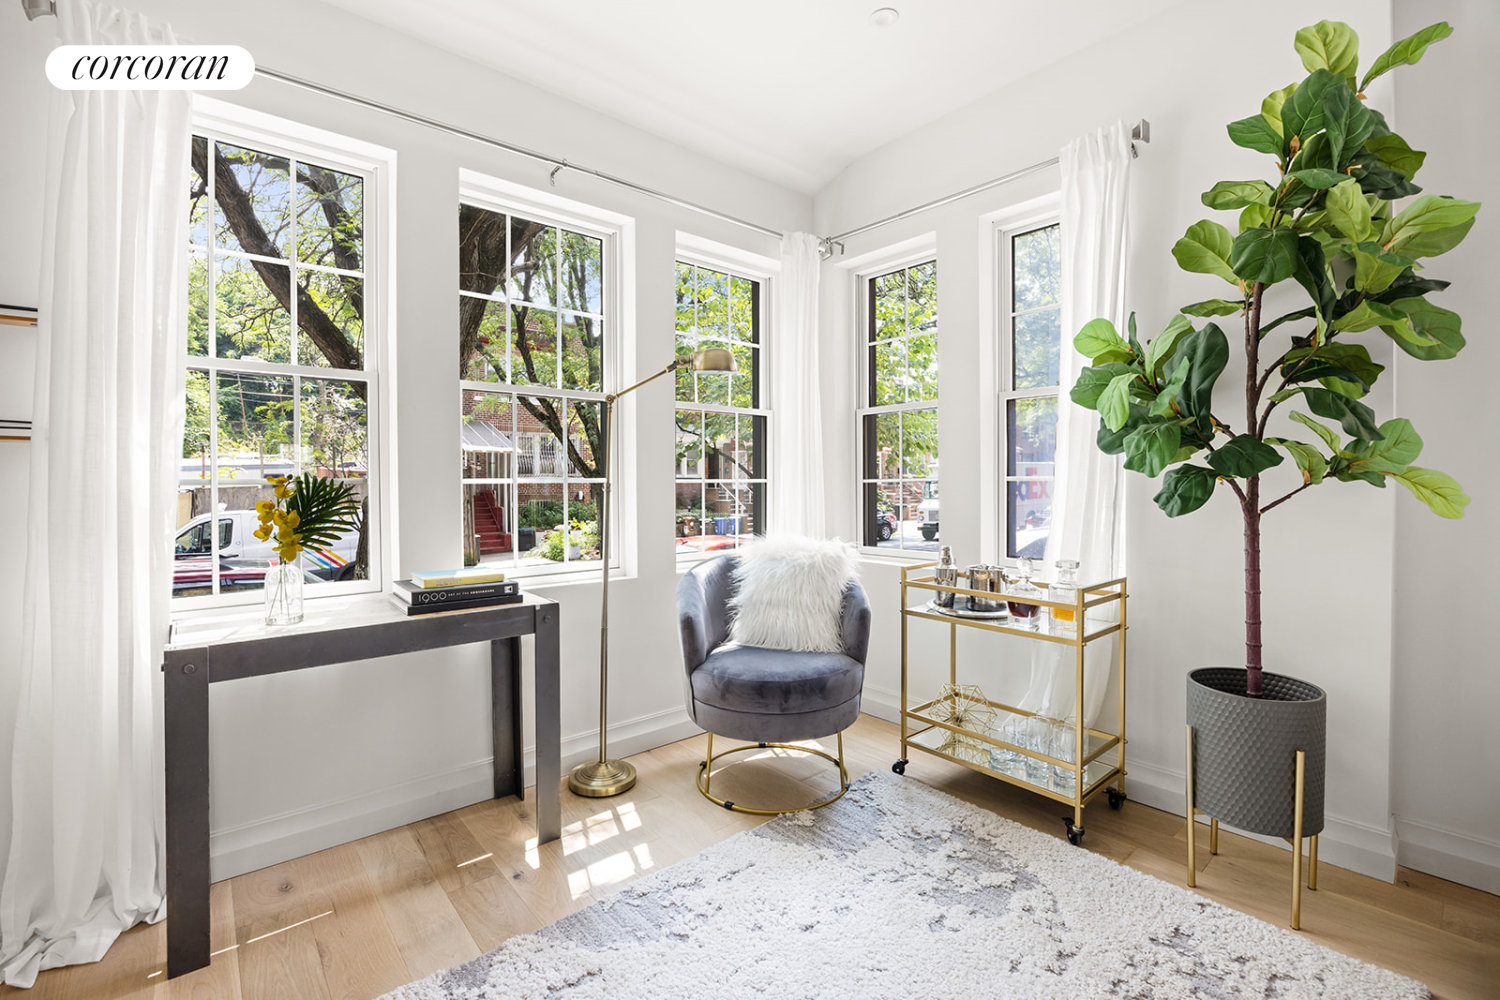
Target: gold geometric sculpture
<point x="964" y="707"/>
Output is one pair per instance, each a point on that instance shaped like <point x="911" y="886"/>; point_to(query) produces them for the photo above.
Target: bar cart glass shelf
<point x="1101" y="609"/>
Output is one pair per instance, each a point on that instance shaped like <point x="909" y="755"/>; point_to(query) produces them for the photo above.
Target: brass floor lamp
<point x="604" y="777"/>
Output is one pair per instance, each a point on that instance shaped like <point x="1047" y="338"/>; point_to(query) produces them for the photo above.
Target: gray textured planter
<point x="1245" y="750"/>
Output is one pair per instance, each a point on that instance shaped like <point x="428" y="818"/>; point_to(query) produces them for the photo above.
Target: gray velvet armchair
<point x="770" y="697"/>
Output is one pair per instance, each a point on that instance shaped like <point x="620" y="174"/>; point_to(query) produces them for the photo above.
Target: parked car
<point x="885" y="525"/>
<point x="708" y="543"/>
<point x="927" y="510"/>
<point x="244" y="559"/>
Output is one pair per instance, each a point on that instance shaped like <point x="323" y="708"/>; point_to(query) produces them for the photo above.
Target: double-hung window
<point x="280" y="356"/>
<point x="720" y="426"/>
<point x="1031" y="321"/>
<point x="534" y="312"/>
<point x="899" y="419"/>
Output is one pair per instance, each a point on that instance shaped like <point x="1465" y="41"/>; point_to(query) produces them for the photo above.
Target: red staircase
<point x="489" y="524"/>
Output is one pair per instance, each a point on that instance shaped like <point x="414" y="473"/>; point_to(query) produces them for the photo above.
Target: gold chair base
<point x="705" y="775"/>
<point x="1295" y="840"/>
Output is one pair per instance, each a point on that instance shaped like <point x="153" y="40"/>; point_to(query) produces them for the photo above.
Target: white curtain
<point x="86" y="857"/>
<point x="797" y="501"/>
<point x="1087" y="502"/>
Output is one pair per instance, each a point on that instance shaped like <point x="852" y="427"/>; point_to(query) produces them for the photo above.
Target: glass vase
<point x="284" y="593"/>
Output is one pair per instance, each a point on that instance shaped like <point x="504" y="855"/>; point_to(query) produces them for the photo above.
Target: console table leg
<point x="548" y="726"/>
<point x="505" y="717"/>
<point x="185" y="727"/>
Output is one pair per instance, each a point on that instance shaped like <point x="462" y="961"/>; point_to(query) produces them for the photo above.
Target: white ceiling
<point x="790" y="90"/>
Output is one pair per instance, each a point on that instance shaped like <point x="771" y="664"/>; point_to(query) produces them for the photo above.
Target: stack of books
<point x="454" y="590"/>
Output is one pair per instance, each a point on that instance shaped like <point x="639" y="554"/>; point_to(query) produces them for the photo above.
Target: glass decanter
<point x="1023" y="615"/>
<point x="1065" y="589"/>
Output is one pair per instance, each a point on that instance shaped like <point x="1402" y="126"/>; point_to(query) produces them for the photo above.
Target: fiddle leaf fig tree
<point x="1326" y="224"/>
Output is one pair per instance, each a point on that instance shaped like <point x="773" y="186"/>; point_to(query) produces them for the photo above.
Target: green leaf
<point x="1353" y="359"/>
<point x="1207" y="352"/>
<point x="1357" y="419"/>
<point x="1311" y="272"/>
<point x="1344" y="475"/>
<point x="1437" y="241"/>
<point x="1270" y="108"/>
<point x="1164" y="343"/>
<point x="1256" y="133"/>
<point x="1406" y="52"/>
<point x="1318" y="178"/>
<point x="1098" y="337"/>
<point x="1345" y="207"/>
<point x="1346" y="123"/>
<point x="1428" y="214"/>
<point x="1329" y="437"/>
<point x="1437" y="326"/>
<point x="1311" y="461"/>
<point x="1112" y="442"/>
<point x="1374" y="269"/>
<point x="1302" y="114"/>
<point x="1150" y="448"/>
<point x="1238" y="194"/>
<point x="1330" y="45"/>
<point x="1162" y="405"/>
<point x="1114" y="400"/>
<point x="1264" y="255"/>
<point x="1256" y="215"/>
<point x="1409" y="286"/>
<point x="1213" y="307"/>
<point x="1290" y="317"/>
<point x="1398" y="449"/>
<point x="1204" y="249"/>
<point x="1285" y="394"/>
<point x="1437" y="490"/>
<point x="1243" y="457"/>
<point x="1092" y="382"/>
<point x="1370" y="314"/>
<point x="1396" y="154"/>
<point x="1135" y="345"/>
<point x="1185" y="489"/>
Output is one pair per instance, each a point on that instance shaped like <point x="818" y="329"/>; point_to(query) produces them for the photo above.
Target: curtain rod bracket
<point x="38" y="8"/>
<point x="826" y="248"/>
<point x="552" y="177"/>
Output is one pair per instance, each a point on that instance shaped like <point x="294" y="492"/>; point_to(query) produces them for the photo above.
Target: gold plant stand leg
<point x="1312" y="865"/>
<point x="1213" y="836"/>
<point x="1192" y="861"/>
<point x="1297" y="845"/>
<point x="705" y="771"/>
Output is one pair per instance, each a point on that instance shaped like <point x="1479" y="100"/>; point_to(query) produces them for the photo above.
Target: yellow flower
<point x="293" y="518"/>
<point x="265" y="507"/>
<point x="285" y="534"/>
<point x="279" y="516"/>
<point x="262" y="533"/>
<point x="282" y="493"/>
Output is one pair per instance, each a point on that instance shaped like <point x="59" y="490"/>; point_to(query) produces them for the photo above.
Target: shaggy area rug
<point x="898" y="890"/>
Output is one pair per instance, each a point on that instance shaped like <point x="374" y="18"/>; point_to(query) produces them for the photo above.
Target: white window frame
<point x="1037" y="214"/>
<point x="376" y="165"/>
<point x="867" y="268"/>
<point x="617" y="232"/>
<point x="764" y="270"/>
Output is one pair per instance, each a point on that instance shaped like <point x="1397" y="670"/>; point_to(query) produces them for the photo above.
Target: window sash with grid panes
<point x="532" y="334"/>
<point x="1031" y="354"/>
<point x="280" y="379"/>
<point x="899" y="422"/>
<point x="719" y="424"/>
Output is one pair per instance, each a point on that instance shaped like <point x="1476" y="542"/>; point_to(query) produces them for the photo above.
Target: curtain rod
<point x="41" y="8"/>
<point x="1141" y="132"/>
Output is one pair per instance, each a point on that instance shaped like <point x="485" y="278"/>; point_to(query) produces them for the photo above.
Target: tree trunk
<point x="362" y="550"/>
<point x="1252" y="588"/>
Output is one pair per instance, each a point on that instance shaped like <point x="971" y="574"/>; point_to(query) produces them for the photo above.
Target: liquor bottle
<point x="1064" y="588"/>
<point x="1023" y="615"/>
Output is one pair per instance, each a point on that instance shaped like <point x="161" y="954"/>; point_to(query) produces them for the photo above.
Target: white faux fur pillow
<point x="789" y="593"/>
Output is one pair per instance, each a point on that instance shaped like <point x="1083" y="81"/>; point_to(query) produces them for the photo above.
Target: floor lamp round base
<point x="601" y="778"/>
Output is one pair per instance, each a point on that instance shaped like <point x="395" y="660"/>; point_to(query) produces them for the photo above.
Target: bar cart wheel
<point x="1075" y="833"/>
<point x="900" y="766"/>
<point x="1117" y="797"/>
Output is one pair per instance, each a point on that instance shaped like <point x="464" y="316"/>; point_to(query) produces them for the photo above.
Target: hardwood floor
<point x="356" y="921"/>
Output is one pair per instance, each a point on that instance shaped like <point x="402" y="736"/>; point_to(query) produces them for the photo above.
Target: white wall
<point x="1328" y="556"/>
<point x="1445" y="759"/>
<point x="304" y="760"/>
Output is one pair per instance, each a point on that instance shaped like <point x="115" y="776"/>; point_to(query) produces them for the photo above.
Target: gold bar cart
<point x="922" y="727"/>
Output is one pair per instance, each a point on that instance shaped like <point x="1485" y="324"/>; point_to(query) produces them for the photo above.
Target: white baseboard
<point x="881" y="703"/>
<point x="1457" y="857"/>
<point x="257" y="844"/>
<point x="1358" y="847"/>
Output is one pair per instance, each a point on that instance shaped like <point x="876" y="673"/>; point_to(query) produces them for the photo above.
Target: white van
<point x="243" y="558"/>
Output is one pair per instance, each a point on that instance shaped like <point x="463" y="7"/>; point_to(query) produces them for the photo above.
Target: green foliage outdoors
<point x="584" y="534"/>
<point x="1324" y="228"/>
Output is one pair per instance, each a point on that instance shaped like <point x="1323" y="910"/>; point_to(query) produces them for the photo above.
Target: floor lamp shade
<point x="604" y="777"/>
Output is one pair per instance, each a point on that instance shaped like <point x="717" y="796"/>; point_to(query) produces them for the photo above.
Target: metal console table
<point x="210" y="649"/>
